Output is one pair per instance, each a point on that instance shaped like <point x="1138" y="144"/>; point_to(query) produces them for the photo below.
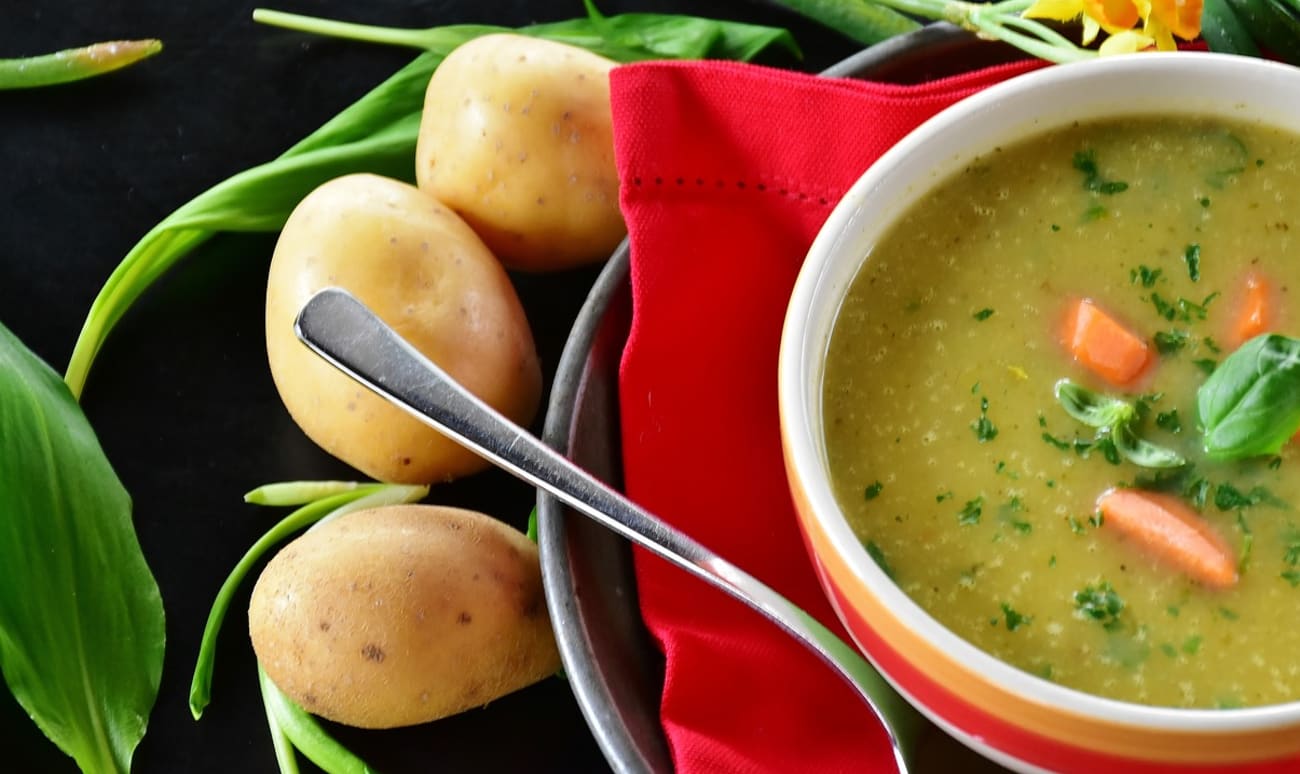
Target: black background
<point x="181" y="396"/>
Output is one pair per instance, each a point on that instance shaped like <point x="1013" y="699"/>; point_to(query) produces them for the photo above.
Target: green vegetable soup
<point x="975" y="486"/>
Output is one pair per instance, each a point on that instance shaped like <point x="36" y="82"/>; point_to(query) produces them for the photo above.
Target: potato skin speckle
<point x="415" y="631"/>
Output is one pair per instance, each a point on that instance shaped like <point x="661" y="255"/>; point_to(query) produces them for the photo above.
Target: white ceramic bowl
<point x="1017" y="719"/>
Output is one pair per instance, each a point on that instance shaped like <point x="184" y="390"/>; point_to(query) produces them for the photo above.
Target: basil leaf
<point x="1250" y="405"/>
<point x="81" y="619"/>
<point x="1092" y="408"/>
<point x="1144" y="453"/>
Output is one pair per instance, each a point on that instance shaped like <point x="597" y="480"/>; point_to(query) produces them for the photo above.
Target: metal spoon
<point x="347" y="334"/>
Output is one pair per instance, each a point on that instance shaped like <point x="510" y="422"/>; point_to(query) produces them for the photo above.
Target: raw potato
<point x="424" y="272"/>
<point x="516" y="136"/>
<point x="401" y="615"/>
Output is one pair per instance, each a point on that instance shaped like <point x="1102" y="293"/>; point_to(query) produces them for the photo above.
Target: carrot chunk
<point x="1168" y="529"/>
<point x="1255" y="315"/>
<point x="1104" y="345"/>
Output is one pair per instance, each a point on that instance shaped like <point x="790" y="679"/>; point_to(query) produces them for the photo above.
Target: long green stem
<point x="364" y="496"/>
<point x="74" y="64"/>
<point x="1032" y="45"/>
<point x="432" y="39"/>
<point x="299" y="492"/>
<point x="1008" y="7"/>
<point x="306" y="734"/>
<point x="1043" y="32"/>
<point x="284" y="755"/>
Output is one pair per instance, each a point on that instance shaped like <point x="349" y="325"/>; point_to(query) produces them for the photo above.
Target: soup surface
<point x="971" y="485"/>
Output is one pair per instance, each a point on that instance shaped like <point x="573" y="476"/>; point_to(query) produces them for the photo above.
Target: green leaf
<point x="1115" y="418"/>
<point x="1223" y="31"/>
<point x="1092" y="408"/>
<point x="1250" y="405"/>
<point x="1142" y="452"/>
<point x="376" y="134"/>
<point x="1271" y="25"/>
<point x="860" y="20"/>
<point x="74" y="64"/>
<point x="81" y="619"/>
<point x="1100" y="603"/>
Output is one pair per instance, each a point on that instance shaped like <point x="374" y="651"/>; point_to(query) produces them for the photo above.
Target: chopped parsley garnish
<point x="1292" y="557"/>
<point x="1063" y="445"/>
<point x="1076" y="526"/>
<point x="1007" y="515"/>
<point x="1013" y="619"/>
<point x="1182" y="309"/>
<point x="1192" y="257"/>
<point x="1145" y="275"/>
<point x="943" y="496"/>
<point x="1168" y="420"/>
<point x="1100" y="603"/>
<point x="1227" y="497"/>
<point x="878" y="557"/>
<point x="1108" y="449"/>
<point x="983" y="314"/>
<point x="1206" y="364"/>
<point x="1086" y="162"/>
<point x="1192" y="645"/>
<point x="1169" y="342"/>
<point x="1247" y="543"/>
<point x="970" y="512"/>
<point x="873" y="490"/>
<point x="984" y="429"/>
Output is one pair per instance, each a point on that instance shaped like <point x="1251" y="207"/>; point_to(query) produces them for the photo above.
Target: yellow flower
<point x="1161" y="21"/>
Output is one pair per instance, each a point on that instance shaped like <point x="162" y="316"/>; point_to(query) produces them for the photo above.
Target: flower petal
<point x="1181" y="17"/>
<point x="1060" y="10"/>
<point x="1125" y="42"/>
<point x="1160" y="33"/>
<point x="1090" y="30"/>
<point x="1113" y="15"/>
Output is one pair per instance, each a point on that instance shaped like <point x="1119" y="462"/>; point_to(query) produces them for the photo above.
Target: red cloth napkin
<point x="728" y="170"/>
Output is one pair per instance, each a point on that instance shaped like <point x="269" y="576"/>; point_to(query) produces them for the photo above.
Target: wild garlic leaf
<point x="1250" y="404"/>
<point x="376" y="134"/>
<point x="81" y="619"/>
<point x="1092" y="408"/>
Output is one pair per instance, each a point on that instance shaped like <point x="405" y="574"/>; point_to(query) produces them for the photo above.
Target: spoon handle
<point x="347" y="334"/>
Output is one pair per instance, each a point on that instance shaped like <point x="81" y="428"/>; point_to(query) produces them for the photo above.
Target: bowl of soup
<point x="1037" y="383"/>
